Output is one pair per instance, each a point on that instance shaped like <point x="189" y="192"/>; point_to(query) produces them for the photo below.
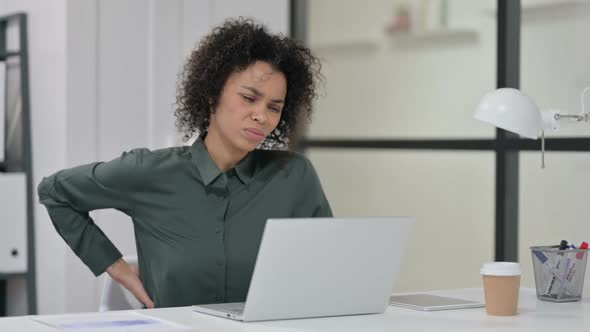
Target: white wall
<point x="103" y="79"/>
<point x="47" y="51"/>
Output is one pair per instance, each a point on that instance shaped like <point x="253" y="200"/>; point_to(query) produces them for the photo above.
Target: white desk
<point x="534" y="315"/>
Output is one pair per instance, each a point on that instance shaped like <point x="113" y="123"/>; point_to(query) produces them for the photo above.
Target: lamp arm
<point x="583" y="116"/>
<point x="551" y="118"/>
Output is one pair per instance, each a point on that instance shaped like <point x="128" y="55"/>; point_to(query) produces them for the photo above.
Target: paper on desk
<point x="110" y="322"/>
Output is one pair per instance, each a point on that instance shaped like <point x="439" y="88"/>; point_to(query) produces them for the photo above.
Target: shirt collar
<point x="245" y="168"/>
<point x="209" y="170"/>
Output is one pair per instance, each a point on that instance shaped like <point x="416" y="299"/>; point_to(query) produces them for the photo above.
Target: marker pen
<point x="580" y="255"/>
<point x="572" y="270"/>
<point x="550" y="267"/>
<point x="547" y="264"/>
<point x="558" y="266"/>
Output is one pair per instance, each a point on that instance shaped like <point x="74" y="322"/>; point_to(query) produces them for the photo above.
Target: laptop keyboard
<point x="234" y="308"/>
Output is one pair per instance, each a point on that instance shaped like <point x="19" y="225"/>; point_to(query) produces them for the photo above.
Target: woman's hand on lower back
<point x="128" y="277"/>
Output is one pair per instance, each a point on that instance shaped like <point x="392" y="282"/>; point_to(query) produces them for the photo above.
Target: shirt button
<point x="219" y="261"/>
<point x="221" y="197"/>
<point x="218" y="230"/>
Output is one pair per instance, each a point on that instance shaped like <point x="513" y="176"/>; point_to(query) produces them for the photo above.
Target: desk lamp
<point x="512" y="110"/>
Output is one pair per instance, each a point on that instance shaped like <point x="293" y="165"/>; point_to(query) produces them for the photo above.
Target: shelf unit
<point x="355" y="45"/>
<point x="438" y="36"/>
<point x="403" y="39"/>
<point x="18" y="152"/>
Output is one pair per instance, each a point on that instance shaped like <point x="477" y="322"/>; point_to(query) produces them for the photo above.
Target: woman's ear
<point x="211" y="105"/>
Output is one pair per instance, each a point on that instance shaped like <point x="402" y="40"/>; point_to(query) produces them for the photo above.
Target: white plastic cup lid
<point x="501" y="269"/>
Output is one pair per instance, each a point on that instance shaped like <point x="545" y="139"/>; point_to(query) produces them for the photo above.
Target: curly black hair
<point x="233" y="46"/>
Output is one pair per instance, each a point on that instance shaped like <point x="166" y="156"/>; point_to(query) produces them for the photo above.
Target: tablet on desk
<point x="427" y="302"/>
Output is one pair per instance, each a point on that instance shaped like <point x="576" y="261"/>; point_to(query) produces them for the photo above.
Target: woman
<point x="199" y="211"/>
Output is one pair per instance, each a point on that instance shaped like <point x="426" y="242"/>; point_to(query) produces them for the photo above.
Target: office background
<point x="103" y="77"/>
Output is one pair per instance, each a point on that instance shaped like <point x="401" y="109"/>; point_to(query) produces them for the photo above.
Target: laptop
<point x="319" y="267"/>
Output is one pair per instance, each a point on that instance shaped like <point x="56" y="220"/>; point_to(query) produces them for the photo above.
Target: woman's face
<point x="249" y="107"/>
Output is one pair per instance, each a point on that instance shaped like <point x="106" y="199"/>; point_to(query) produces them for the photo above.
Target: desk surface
<point x="534" y="315"/>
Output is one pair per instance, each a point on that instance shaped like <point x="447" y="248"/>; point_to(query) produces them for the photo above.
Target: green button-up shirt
<point x="197" y="229"/>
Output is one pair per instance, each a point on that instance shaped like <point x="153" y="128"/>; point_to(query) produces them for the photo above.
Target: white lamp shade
<point x="510" y="110"/>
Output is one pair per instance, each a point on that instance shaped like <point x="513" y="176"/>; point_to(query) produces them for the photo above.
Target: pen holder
<point x="559" y="274"/>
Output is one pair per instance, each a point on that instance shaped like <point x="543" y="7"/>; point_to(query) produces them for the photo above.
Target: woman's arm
<point x="69" y="195"/>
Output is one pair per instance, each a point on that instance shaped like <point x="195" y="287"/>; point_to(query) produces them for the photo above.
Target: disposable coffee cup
<point x="501" y="283"/>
